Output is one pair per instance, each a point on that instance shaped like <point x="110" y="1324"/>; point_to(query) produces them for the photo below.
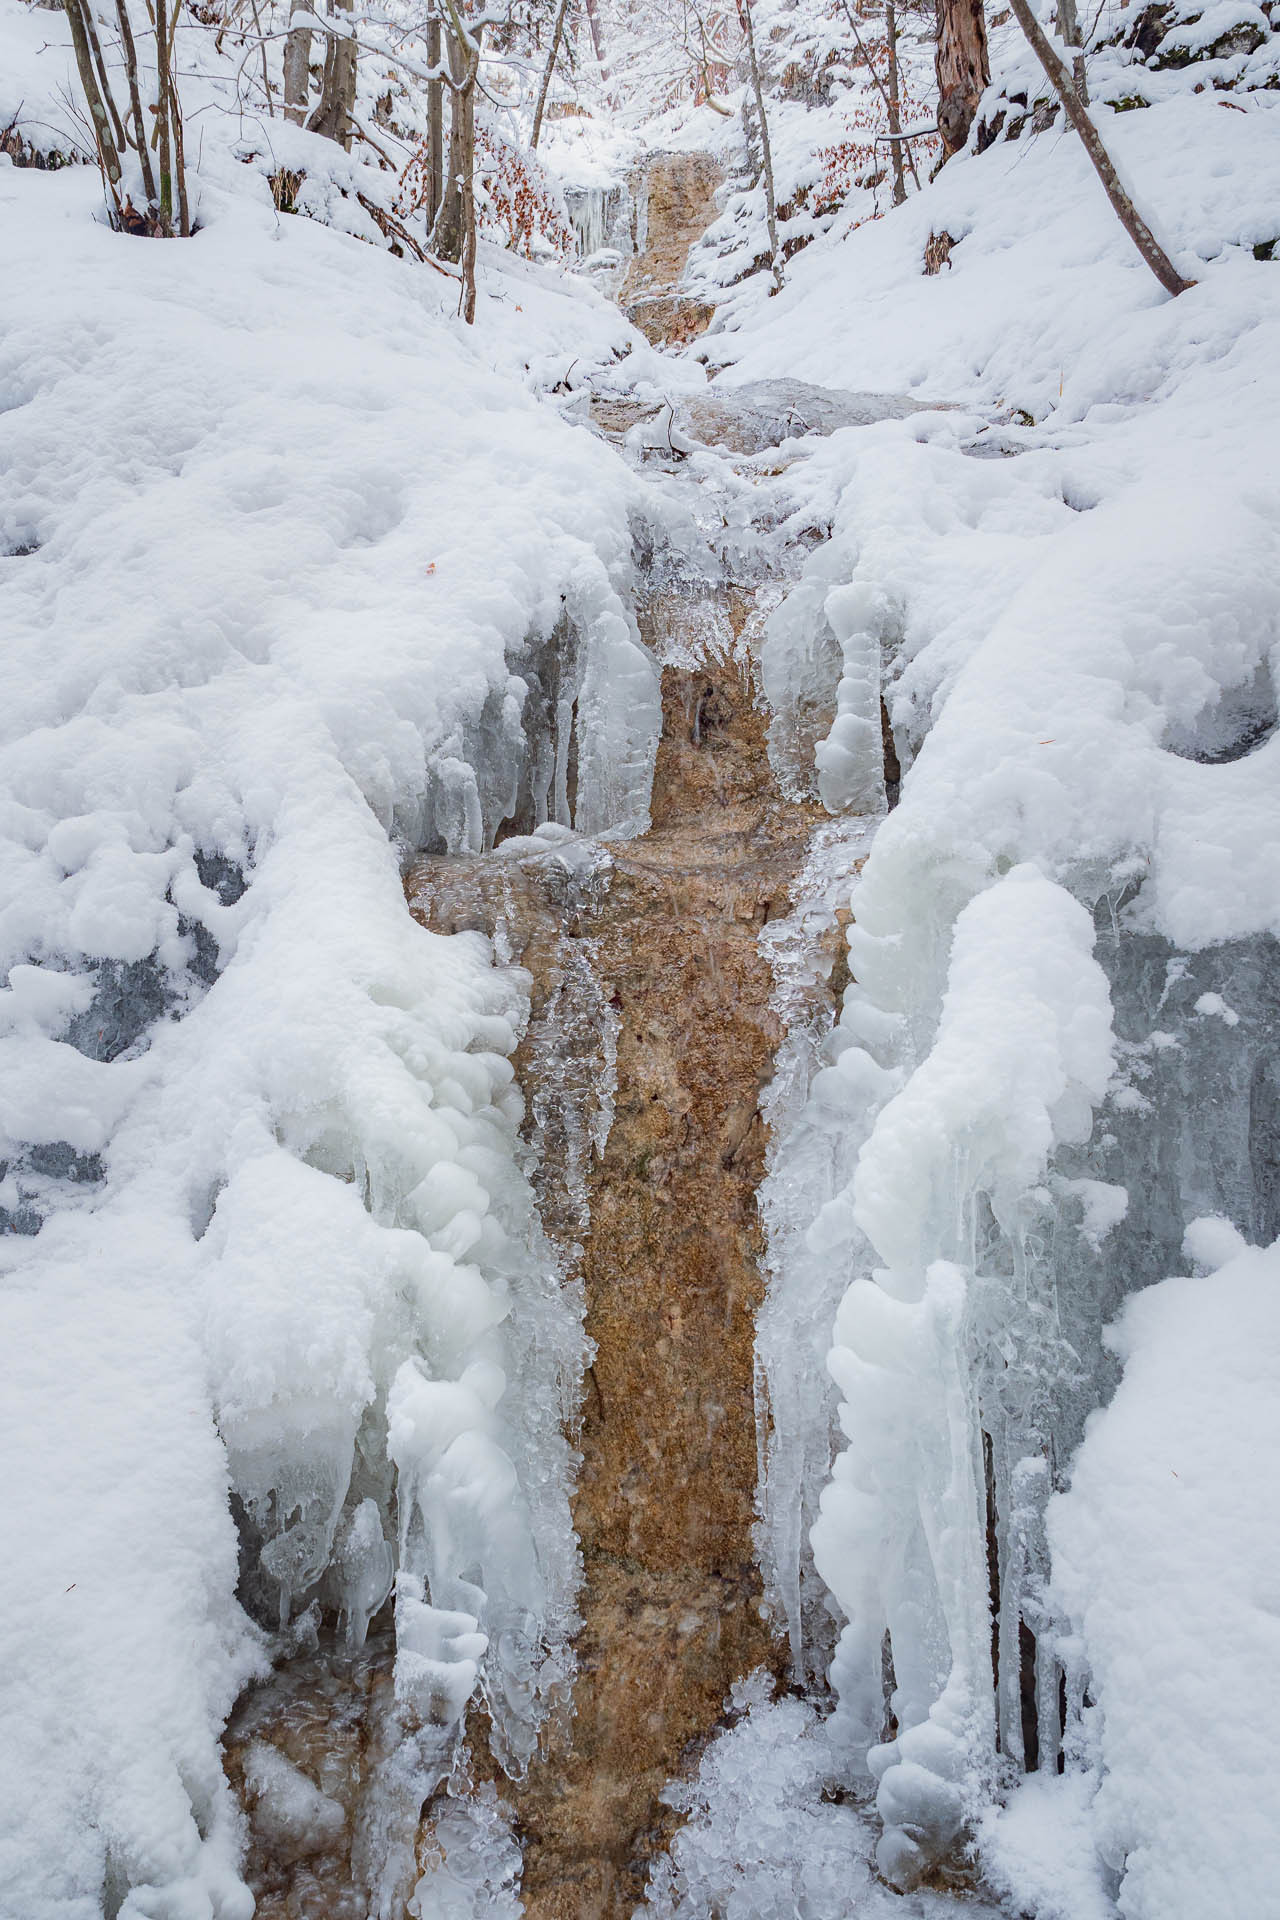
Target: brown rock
<point x="677" y="193"/>
<point x="671" y="1602"/>
<point x="665" y="1504"/>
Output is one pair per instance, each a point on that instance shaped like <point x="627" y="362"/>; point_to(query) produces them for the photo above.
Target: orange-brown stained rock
<point x="664" y="1508"/>
<point x="679" y="194"/>
<point x="671" y="1600"/>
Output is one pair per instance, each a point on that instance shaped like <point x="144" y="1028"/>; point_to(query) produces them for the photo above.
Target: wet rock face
<point x="675" y="196"/>
<point x="651" y="1036"/>
<point x="300" y="1752"/>
<point x="664" y="1510"/>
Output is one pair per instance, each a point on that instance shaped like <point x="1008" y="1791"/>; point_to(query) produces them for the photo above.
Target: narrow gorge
<point x="655" y="1015"/>
<point x="659" y="937"/>
<point x="639" y="961"/>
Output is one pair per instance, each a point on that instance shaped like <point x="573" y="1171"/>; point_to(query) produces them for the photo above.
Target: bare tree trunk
<point x="597" y="40"/>
<point x="332" y="116"/>
<point x="95" y="47"/>
<point x="545" y="88"/>
<point x="1069" y="34"/>
<point x="467" y="305"/>
<point x="435" y="126"/>
<point x="455" y="231"/>
<point x="135" y="101"/>
<point x="766" y="153"/>
<point x="175" y="121"/>
<point x="963" y="69"/>
<point x="869" y="63"/>
<point x="297" y="67"/>
<point x="895" y="109"/>
<point x="1130" y="219"/>
<point x="164" y="150"/>
<point x="448" y="232"/>
<point x="100" y="119"/>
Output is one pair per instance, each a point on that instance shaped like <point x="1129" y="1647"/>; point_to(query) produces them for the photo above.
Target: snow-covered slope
<point x="281" y="545"/>
<point x="1060" y="1047"/>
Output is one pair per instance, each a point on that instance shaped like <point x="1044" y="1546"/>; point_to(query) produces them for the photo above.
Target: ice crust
<point x="768" y="1834"/>
<point x="288" y="1338"/>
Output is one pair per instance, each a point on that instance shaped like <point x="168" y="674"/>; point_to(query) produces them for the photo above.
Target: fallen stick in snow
<point x="1130" y="219"/>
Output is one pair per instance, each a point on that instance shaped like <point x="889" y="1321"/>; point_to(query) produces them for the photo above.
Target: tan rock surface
<point x="679" y="193"/>
<point x="671" y="1602"/>
<point x="670" y="1266"/>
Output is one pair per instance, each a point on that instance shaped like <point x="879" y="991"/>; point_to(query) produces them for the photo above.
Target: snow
<point x="1167" y="1568"/>
<point x="1064" y="589"/>
<point x="298" y="576"/>
<point x="295" y="540"/>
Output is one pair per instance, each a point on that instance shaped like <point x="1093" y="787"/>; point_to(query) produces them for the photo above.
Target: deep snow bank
<point x="282" y="550"/>
<point x="1062" y="1039"/>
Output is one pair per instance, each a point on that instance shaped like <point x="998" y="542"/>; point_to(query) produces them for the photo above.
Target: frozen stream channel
<point x="679" y="984"/>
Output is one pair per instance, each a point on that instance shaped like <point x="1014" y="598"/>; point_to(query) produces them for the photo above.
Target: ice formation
<point x="289" y="1340"/>
<point x="270" y="1231"/>
<point x="812" y="1156"/>
<point x="1059" y="1047"/>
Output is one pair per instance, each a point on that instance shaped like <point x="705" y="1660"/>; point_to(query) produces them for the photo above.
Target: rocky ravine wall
<point x="671" y="1597"/>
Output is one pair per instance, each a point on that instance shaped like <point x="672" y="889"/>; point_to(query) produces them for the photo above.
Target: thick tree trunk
<point x="297" y="67"/>
<point x="963" y="69"/>
<point x="1130" y="219"/>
